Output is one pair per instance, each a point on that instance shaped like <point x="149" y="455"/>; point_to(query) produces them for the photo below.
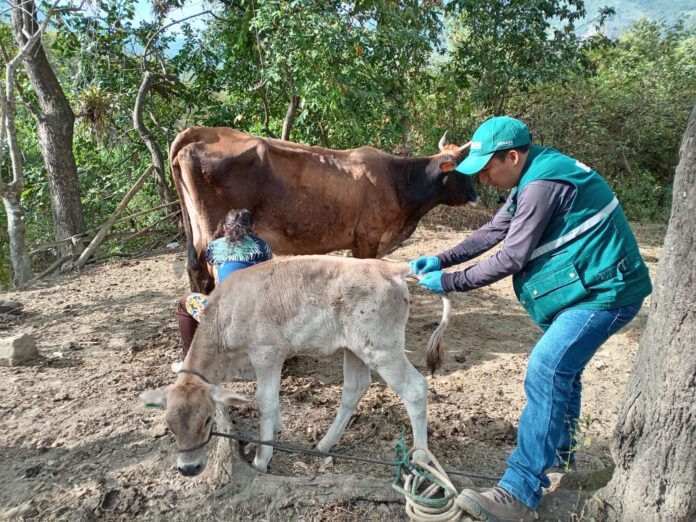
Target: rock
<point x="326" y="464"/>
<point x="68" y="346"/>
<point x="11" y="307"/>
<point x="299" y="467"/>
<point x="157" y="431"/>
<point x="17" y="349"/>
<point x="61" y="396"/>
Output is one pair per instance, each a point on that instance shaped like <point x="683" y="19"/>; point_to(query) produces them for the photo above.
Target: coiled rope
<point x="429" y="493"/>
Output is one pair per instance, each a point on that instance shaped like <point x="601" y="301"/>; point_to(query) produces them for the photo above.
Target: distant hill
<point x="629" y="11"/>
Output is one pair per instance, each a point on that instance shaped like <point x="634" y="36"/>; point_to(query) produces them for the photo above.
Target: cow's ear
<point x="155" y="398"/>
<point x="227" y="397"/>
<point x="447" y="166"/>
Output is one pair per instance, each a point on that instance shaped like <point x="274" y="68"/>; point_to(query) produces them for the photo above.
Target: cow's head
<point x="457" y="188"/>
<point x="190" y="415"/>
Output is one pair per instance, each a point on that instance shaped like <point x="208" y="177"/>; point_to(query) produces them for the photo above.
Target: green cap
<point x="499" y="133"/>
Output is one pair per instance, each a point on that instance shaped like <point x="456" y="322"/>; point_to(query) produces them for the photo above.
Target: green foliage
<point x="354" y="68"/>
<point x="501" y="48"/>
<point x="623" y="115"/>
<point x="394" y="75"/>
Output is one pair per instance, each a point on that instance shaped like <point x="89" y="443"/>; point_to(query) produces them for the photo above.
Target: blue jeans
<point x="553" y="389"/>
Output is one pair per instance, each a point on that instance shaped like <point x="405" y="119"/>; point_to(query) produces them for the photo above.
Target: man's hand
<point x="433" y="282"/>
<point x="425" y="264"/>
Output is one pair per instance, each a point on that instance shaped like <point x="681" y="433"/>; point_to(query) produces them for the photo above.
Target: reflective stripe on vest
<point x="583" y="227"/>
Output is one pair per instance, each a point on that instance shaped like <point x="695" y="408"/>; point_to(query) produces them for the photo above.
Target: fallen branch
<point x="78" y="238"/>
<point x="147" y="230"/>
<point x="55" y="266"/>
<point x="148" y="211"/>
<point x="87" y="236"/>
<point x="109" y="223"/>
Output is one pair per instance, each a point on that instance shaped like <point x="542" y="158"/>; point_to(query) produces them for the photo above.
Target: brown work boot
<point x="494" y="505"/>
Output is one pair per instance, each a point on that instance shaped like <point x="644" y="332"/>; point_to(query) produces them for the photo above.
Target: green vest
<point x="586" y="258"/>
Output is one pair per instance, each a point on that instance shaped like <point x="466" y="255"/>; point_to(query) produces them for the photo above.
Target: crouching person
<point x="236" y="248"/>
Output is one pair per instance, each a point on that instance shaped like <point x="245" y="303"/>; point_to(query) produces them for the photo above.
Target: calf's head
<point x="190" y="415"/>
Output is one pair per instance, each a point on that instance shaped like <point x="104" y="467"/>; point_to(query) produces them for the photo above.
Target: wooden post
<point x="112" y="219"/>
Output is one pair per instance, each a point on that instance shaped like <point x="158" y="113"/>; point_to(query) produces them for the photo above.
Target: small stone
<point x="326" y="464"/>
<point x="69" y="345"/>
<point x="11" y="307"/>
<point x="61" y="396"/>
<point x="299" y="466"/>
<point x="157" y="431"/>
<point x="17" y="349"/>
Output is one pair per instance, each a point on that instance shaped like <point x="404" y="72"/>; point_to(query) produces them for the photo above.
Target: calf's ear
<point x="227" y="397"/>
<point x="155" y="398"/>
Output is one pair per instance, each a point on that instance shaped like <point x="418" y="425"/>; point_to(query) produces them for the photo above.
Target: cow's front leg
<point x="366" y="243"/>
<point x="268" y="403"/>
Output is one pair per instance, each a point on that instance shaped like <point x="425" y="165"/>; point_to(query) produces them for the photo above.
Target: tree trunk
<point x="55" y="128"/>
<point x="290" y="117"/>
<point x="163" y="190"/>
<point x="21" y="267"/>
<point x="653" y="446"/>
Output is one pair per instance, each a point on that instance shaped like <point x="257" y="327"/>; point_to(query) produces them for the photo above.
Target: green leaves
<point x="501" y="48"/>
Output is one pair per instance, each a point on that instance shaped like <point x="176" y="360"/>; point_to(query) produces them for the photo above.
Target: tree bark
<point x="149" y="79"/>
<point x="55" y="127"/>
<point x="21" y="267"/>
<point x="653" y="446"/>
<point x="290" y="117"/>
<point x="292" y="109"/>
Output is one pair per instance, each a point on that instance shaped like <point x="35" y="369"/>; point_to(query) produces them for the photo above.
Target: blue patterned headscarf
<point x="249" y="249"/>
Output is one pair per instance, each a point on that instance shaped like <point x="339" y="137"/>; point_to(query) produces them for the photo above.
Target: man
<point x="576" y="270"/>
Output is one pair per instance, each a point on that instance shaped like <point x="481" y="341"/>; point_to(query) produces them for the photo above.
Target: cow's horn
<point x="464" y="147"/>
<point x="441" y="144"/>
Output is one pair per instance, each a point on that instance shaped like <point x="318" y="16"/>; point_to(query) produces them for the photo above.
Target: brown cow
<point x="307" y="200"/>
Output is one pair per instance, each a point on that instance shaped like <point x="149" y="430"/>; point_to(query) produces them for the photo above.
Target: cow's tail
<point x="436" y="351"/>
<point x="179" y="142"/>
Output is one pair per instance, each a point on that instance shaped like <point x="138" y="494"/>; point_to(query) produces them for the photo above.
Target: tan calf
<point x="305" y="305"/>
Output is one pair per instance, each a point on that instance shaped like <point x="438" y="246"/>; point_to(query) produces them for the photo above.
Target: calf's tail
<point x="436" y="351"/>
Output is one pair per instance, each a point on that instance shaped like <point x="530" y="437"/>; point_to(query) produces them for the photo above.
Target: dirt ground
<point x="77" y="444"/>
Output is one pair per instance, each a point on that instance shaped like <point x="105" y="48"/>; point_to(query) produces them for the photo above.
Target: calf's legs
<point x="356" y="381"/>
<point x="268" y="403"/>
<point x="412" y="388"/>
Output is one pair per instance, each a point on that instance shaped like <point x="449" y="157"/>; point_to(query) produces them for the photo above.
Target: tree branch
<point x="158" y="31"/>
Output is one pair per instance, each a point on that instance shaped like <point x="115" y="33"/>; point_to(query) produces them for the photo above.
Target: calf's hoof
<point x="260" y="465"/>
<point x="420" y="455"/>
<point x="322" y="445"/>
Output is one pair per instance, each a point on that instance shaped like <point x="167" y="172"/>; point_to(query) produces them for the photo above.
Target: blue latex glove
<point x="425" y="264"/>
<point x="433" y="282"/>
